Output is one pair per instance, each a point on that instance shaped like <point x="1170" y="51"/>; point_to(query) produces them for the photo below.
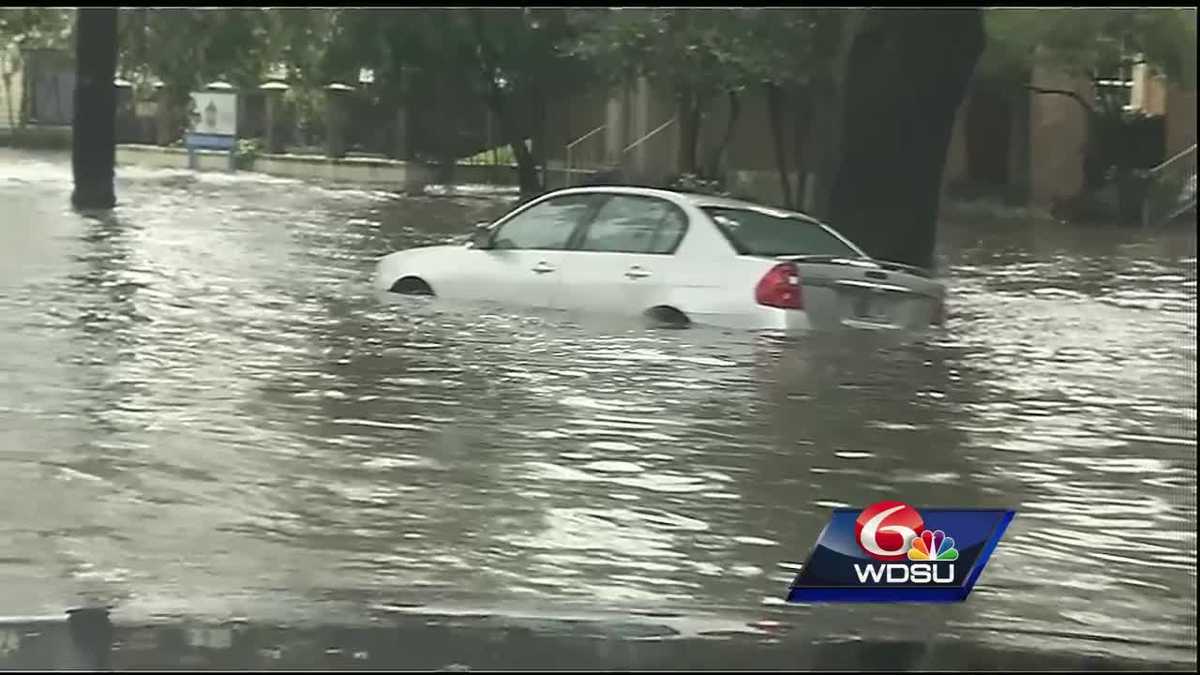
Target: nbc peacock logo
<point x="933" y="546"/>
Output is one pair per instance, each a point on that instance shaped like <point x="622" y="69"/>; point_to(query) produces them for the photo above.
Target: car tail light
<point x="780" y="287"/>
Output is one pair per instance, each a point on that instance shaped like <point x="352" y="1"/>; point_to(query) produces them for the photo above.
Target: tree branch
<point x="1065" y="92"/>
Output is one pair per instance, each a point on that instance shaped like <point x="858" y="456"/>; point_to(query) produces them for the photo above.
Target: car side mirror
<point x="481" y="238"/>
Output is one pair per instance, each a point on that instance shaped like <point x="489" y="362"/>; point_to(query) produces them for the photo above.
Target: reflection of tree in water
<point x="104" y="337"/>
<point x="103" y="294"/>
<point x="851" y="419"/>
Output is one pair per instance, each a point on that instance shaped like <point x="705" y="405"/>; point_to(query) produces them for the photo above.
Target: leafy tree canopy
<point x="1090" y="42"/>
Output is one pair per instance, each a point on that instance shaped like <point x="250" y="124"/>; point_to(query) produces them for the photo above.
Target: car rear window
<point x="761" y="233"/>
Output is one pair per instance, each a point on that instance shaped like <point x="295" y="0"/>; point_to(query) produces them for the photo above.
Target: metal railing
<point x="647" y="137"/>
<point x="1171" y="189"/>
<point x="572" y="155"/>
<point x="570" y="152"/>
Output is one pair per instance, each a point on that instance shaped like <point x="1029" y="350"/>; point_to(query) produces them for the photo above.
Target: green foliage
<point x="187" y="48"/>
<point x="246" y="152"/>
<point x="709" y="51"/>
<point x="694" y="50"/>
<point x="1095" y="43"/>
<point x="301" y="40"/>
<point x="1089" y="41"/>
<point x="36" y="27"/>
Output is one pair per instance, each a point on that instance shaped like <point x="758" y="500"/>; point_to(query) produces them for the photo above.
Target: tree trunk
<point x="94" y="129"/>
<point x="716" y="157"/>
<point x="527" y="172"/>
<point x="775" y="114"/>
<point x="538" y="140"/>
<point x="689" y="132"/>
<point x="803" y="142"/>
<point x="906" y="76"/>
<point x="823" y="143"/>
<point x="497" y="100"/>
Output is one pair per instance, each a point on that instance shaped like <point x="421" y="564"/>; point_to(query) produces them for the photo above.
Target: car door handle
<point x="543" y="268"/>
<point x="636" y="273"/>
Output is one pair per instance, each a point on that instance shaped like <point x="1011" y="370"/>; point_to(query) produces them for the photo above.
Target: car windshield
<point x="754" y="232"/>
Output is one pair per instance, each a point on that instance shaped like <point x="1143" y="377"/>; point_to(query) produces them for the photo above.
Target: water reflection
<point x="211" y="415"/>
<point x="89" y="640"/>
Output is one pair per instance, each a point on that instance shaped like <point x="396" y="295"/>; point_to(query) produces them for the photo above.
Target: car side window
<point x="546" y="226"/>
<point x="634" y="224"/>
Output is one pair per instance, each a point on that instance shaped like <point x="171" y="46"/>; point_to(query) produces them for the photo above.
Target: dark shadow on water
<point x="89" y="641"/>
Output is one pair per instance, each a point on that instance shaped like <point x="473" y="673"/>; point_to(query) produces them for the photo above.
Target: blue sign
<point x="209" y="141"/>
<point x="891" y="552"/>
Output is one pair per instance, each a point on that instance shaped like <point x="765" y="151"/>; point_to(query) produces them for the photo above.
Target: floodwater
<point x="207" y="415"/>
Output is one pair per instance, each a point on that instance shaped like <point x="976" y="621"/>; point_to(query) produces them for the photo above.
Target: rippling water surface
<point x="205" y="412"/>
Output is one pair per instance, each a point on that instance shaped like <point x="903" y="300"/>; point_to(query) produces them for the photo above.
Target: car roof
<point x="694" y="198"/>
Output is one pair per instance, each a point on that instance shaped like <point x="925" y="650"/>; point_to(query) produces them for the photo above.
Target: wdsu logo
<point x="891" y="552"/>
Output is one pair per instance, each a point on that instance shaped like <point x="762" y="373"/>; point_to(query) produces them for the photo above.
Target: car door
<point x="621" y="261"/>
<point x="522" y="265"/>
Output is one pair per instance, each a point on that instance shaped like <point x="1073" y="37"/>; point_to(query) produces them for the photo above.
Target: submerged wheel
<point x="667" y="317"/>
<point x="411" y="286"/>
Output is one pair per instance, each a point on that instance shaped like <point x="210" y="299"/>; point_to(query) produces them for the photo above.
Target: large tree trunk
<point x="775" y="114"/>
<point x="802" y="118"/>
<point x="689" y="131"/>
<point x="94" y="126"/>
<point x="527" y="173"/>
<point x="822" y="144"/>
<point x="907" y="74"/>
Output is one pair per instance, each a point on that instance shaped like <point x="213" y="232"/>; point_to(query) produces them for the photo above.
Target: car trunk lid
<point x="866" y="293"/>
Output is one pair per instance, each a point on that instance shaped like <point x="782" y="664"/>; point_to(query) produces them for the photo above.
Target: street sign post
<point x="213" y="124"/>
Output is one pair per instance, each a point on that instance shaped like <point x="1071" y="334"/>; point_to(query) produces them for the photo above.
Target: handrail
<point x="1179" y="155"/>
<point x="586" y="136"/>
<point x="1170" y="189"/>
<point x="645" y="138"/>
<point x="570" y="164"/>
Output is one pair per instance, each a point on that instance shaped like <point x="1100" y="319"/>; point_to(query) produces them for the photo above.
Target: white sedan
<point x="673" y="257"/>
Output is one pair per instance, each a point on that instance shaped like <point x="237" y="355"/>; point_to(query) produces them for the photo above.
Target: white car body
<point x="704" y="278"/>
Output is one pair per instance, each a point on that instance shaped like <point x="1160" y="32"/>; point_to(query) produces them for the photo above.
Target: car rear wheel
<point x="411" y="286"/>
<point x="667" y="317"/>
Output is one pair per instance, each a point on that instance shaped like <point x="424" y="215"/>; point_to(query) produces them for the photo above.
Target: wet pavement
<point x="208" y="416"/>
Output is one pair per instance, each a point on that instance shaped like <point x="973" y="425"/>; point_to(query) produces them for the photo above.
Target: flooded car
<point x="670" y="256"/>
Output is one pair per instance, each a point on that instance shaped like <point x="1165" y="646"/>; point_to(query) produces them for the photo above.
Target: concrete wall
<point x="1149" y="91"/>
<point x="630" y="113"/>
<point x="1181" y="119"/>
<point x="958" y="169"/>
<point x="386" y="174"/>
<point x="1057" y="137"/>
<point x="11" y="100"/>
<point x="41" y="137"/>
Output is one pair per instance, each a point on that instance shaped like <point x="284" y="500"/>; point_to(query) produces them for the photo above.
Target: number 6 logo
<point x="885" y="530"/>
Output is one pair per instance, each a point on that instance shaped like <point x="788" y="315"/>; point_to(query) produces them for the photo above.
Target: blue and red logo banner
<point x="891" y="552"/>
